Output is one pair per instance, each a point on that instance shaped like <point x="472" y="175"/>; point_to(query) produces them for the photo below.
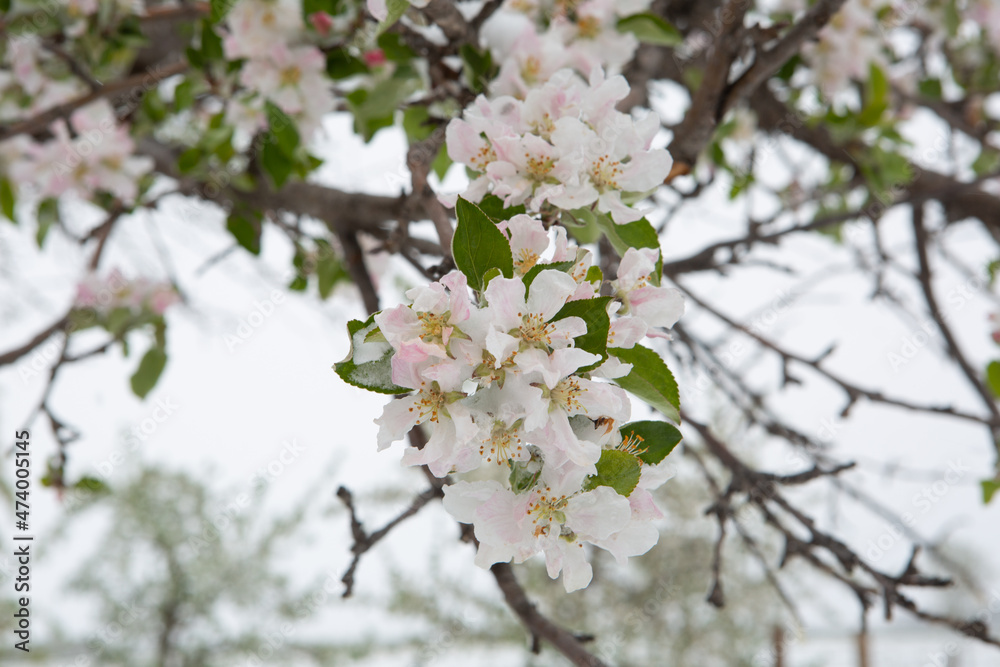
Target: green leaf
<point x="524" y="475"/>
<point x="493" y="206"/>
<point x="595" y="313"/>
<point x="650" y="380"/>
<point x="533" y="272"/>
<point x="277" y="165"/>
<point x="118" y="321"/>
<point x="651" y="29"/>
<point x="4" y="6"/>
<point x="990" y="487"/>
<point x="189" y="159"/>
<point x="184" y="95"/>
<point x="219" y="9"/>
<point x="479" y="245"/>
<point x="394" y="49"/>
<point x="340" y="64"/>
<point x="987" y="163"/>
<point x="48" y="215"/>
<point x="617" y="469"/>
<point x="930" y="88"/>
<point x="7" y="200"/>
<point x="993" y="377"/>
<point x="638" y="234"/>
<point x="375" y="108"/>
<point x="876" y="97"/>
<point x="245" y="230"/>
<point x="211" y="43"/>
<point x="149" y="371"/>
<point x="477" y="65"/>
<point x="416" y="123"/>
<point x="329" y="269"/>
<point x="375" y="373"/>
<point x="396" y="10"/>
<point x="283" y="130"/>
<point x="92" y="485"/>
<point x="657" y="439"/>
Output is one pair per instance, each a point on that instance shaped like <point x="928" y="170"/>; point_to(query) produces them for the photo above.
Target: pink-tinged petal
<point x="646" y="171"/>
<point x="625" y="332"/>
<point x="636" y="266"/>
<point x="398" y="325"/>
<point x="448" y="374"/>
<point x="611" y="369"/>
<point x="603" y="399"/>
<point x="398" y="417"/>
<point x="657" y="306"/>
<point x="462" y="499"/>
<point x="378" y="9"/>
<point x="555" y="366"/>
<point x="437" y="454"/>
<point x="654" y="476"/>
<point x="549" y="292"/>
<point x="488" y="554"/>
<point x="598" y="513"/>
<point x="635" y="539"/>
<point x="611" y="203"/>
<point x="505" y="297"/>
<point x="560" y="435"/>
<point x="429" y="298"/>
<point x="405" y="373"/>
<point x="643" y="506"/>
<point x="565" y="330"/>
<point x="501" y="346"/>
<point x="499" y="520"/>
<point x="577" y="572"/>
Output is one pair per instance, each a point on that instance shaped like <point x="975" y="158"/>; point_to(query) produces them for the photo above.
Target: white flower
<point x="556" y="517"/>
<point x="256" y="26"/>
<point x="656" y="306"/>
<point x="519" y="323"/>
<point x="295" y="80"/>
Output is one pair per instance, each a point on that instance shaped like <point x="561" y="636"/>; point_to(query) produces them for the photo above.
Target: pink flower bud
<point x="322" y="22"/>
<point x="375" y="58"/>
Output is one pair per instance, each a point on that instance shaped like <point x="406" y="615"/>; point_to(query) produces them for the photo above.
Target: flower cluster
<point x="96" y="157"/>
<point x="564" y="145"/>
<point x="555" y="34"/>
<point x="292" y="77"/>
<point x="505" y="387"/>
<point x="847" y="45"/>
<point x="27" y="84"/>
<point x="114" y="291"/>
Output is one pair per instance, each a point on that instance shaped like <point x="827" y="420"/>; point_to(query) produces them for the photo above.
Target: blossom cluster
<point x="504" y="390"/>
<point x="113" y="291"/>
<point x="97" y="156"/>
<point x="847" y="45"/>
<point x="279" y="67"/>
<point x="563" y="146"/>
<point x="554" y="34"/>
<point x="27" y="81"/>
